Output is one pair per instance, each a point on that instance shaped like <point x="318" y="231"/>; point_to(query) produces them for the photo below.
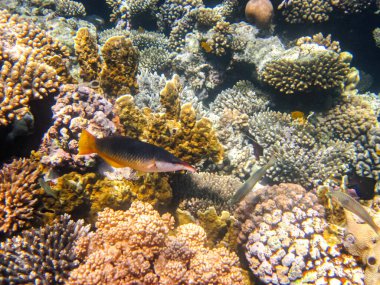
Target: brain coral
<point x="19" y="191"/>
<point x="42" y="256"/>
<point x="309" y="68"/>
<point x="134" y="247"/>
<point x="77" y="107"/>
<point x="307" y="11"/>
<point x="282" y="237"/>
<point x="32" y="66"/>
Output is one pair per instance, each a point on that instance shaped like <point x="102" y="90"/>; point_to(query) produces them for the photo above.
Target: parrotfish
<point x="120" y="151"/>
<point x="252" y="180"/>
<point x="355" y="207"/>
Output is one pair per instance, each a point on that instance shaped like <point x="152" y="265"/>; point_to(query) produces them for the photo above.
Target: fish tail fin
<point x="87" y="143"/>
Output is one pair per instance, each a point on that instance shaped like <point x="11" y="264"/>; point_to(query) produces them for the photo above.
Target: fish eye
<point x="94" y="84"/>
<point x="371" y="260"/>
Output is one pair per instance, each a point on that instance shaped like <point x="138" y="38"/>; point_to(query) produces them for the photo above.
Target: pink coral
<point x="134" y="247"/>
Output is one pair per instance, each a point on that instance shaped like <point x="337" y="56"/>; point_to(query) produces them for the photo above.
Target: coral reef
<point x="155" y="59"/>
<point x="367" y="154"/>
<point x="282" y="235"/>
<point x="138" y="249"/>
<point x="118" y="75"/>
<point x="302" y="157"/>
<point x="307" y="11"/>
<point x="352" y="6"/>
<point x="42" y="256"/>
<point x="360" y="240"/>
<point x="32" y="66"/>
<point x="218" y="39"/>
<point x="176" y="130"/>
<point x="77" y="107"/>
<point x="309" y="68"/>
<point x="320" y="40"/>
<point x="19" y="191"/>
<point x="149" y="40"/>
<point x="86" y="50"/>
<point x="69" y="8"/>
<point x="104" y="35"/>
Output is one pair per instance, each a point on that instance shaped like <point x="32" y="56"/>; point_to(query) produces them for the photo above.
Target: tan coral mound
<point x="32" y="66"/>
<point x="18" y="194"/>
<point x="259" y="12"/>
<point x="134" y="247"/>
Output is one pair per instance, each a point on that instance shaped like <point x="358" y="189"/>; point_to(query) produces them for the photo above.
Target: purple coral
<point x="78" y="107"/>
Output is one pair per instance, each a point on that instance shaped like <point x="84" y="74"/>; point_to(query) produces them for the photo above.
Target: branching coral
<point x="86" y="50"/>
<point x="176" y="130"/>
<point x="320" y="40"/>
<point x="32" y="66"/>
<point x="69" y="8"/>
<point x="19" y="191"/>
<point x="155" y="59"/>
<point x="306" y="69"/>
<point x="76" y="108"/>
<point x="302" y="156"/>
<point x="218" y="40"/>
<point x="118" y="75"/>
<point x="149" y="40"/>
<point x="352" y="6"/>
<point x="282" y="237"/>
<point x="134" y="247"/>
<point x="307" y="11"/>
<point x="42" y="256"/>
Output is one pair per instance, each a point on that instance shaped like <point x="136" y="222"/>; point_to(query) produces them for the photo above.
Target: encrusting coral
<point x="86" y="50"/>
<point x="32" y="66"/>
<point x="77" y="107"/>
<point x="19" y="191"/>
<point x="361" y="240"/>
<point x="283" y="238"/>
<point x="42" y="256"/>
<point x="121" y="58"/>
<point x="135" y="247"/>
<point x="177" y="130"/>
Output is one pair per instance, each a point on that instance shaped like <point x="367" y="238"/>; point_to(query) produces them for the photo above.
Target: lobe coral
<point x="259" y="12"/>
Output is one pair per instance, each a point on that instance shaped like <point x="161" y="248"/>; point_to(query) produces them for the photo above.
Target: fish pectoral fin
<point x="112" y="162"/>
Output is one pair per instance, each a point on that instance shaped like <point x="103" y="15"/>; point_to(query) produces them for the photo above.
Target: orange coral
<point x="259" y="12"/>
<point x="134" y="247"/>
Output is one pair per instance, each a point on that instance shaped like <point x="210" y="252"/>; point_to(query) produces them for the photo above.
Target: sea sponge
<point x="121" y="58"/>
<point x="282" y="236"/>
<point x="42" y="256"/>
<point x="19" y="192"/>
<point x="307" y="11"/>
<point x="33" y="66"/>
<point x="134" y="246"/>
<point x="68" y="8"/>
<point x="309" y="68"/>
<point x="86" y="50"/>
<point x="259" y="12"/>
<point x="189" y="139"/>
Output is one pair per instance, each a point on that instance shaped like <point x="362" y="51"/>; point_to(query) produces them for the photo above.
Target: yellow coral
<point x="183" y="136"/>
<point x="118" y="75"/>
<point x="86" y="50"/>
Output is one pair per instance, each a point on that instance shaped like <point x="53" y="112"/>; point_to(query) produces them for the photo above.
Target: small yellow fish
<point x="299" y="117"/>
<point x="119" y="151"/>
<point x="355" y="207"/>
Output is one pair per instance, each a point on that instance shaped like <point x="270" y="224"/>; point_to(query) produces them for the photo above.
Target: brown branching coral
<point x="307" y="11"/>
<point x="32" y="66"/>
<point x="42" y="256"/>
<point x="282" y="235"/>
<point x="121" y="58"/>
<point x="134" y="247"/>
<point x="320" y="40"/>
<point x="19" y="190"/>
<point x="218" y="40"/>
<point x="176" y="130"/>
<point x="309" y="68"/>
<point x="69" y="8"/>
<point x="86" y="50"/>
